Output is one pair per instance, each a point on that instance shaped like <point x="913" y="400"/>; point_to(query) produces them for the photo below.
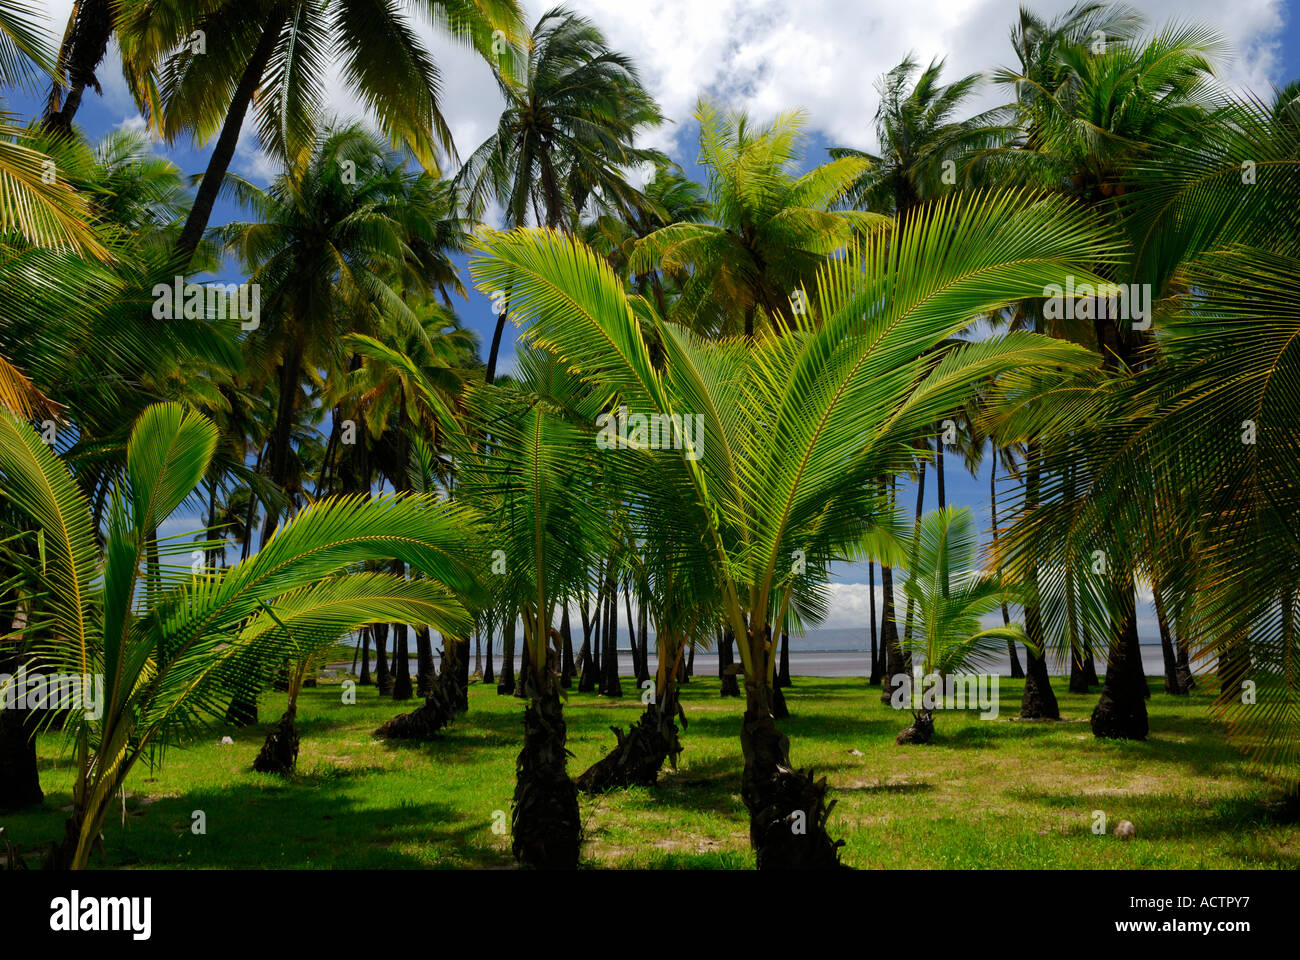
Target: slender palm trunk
<point x="489" y="667"/>
<point x="224" y="151"/>
<point x="920" y="506"/>
<point x="365" y="678"/>
<point x="506" y="684"/>
<point x="783" y="669"/>
<point x="590" y="642"/>
<point x="871" y="599"/>
<point x="1173" y="678"/>
<point x="1039" y="700"/>
<point x="566" y="658"/>
<point x="1017" y="672"/>
<point x="85" y="41"/>
<point x="610" y="686"/>
<point x="402" y="689"/>
<point x="383" y="678"/>
<point x="729" y="685"/>
<point x="893" y="654"/>
<point x="424" y="670"/>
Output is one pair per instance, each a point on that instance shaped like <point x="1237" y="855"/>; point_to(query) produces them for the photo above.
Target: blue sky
<point x="762" y="55"/>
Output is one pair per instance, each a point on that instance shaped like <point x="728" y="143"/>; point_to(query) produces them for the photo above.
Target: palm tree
<point x="274" y="56"/>
<point x="768" y="231"/>
<point x="921" y="144"/>
<point x="570" y="124"/>
<point x="532" y="486"/>
<point x="337" y="243"/>
<point x="796" y="430"/>
<point x="1105" y="110"/>
<point x="951" y="596"/>
<point x="170" y="642"/>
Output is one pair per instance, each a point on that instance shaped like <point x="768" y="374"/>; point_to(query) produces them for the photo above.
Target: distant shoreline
<point x="855" y="663"/>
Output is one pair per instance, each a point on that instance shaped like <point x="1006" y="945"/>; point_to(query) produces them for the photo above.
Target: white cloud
<point x="767" y="55"/>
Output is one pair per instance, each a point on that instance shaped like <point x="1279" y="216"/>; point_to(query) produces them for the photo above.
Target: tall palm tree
<point x="330" y="254"/>
<point x="922" y="145"/>
<point x="200" y="67"/>
<point x="1092" y="114"/>
<point x="569" y="128"/>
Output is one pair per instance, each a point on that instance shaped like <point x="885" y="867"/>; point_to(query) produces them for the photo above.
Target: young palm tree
<point x="532" y="485"/>
<point x="951" y="596"/>
<point x="798" y="430"/>
<point x="170" y="643"/>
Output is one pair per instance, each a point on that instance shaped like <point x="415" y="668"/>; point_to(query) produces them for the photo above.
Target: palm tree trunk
<point x="566" y="648"/>
<point x="491" y="374"/>
<point x="282" y="436"/>
<point x="609" y="684"/>
<point x="920" y="505"/>
<point x="590" y="641"/>
<point x="1121" y="713"/>
<point x="424" y="669"/>
<point x="489" y="668"/>
<point x="224" y="151"/>
<point x="1173" y="680"/>
<point x="1038" y="702"/>
<point x="506" y="685"/>
<point x="402" y="689"/>
<point x="365" y="678"/>
<point x="1017" y="672"/>
<point x="730" y="686"/>
<point x="893" y="654"/>
<point x="640" y="670"/>
<point x="783" y="668"/>
<point x="382" y="675"/>
<point x="546" y="825"/>
<point x="90" y="26"/>
<point x="787" y="808"/>
<point x="871" y="599"/>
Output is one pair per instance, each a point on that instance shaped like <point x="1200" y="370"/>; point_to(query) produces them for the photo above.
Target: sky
<point x="763" y="56"/>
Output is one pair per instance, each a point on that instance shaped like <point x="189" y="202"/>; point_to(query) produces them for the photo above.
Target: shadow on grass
<point x="311" y="822"/>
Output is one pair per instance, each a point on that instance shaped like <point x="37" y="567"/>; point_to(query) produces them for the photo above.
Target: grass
<point x="987" y="794"/>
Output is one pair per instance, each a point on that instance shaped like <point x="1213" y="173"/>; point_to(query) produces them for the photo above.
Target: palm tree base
<point x="1039" y="700"/>
<point x="426" y="722"/>
<point x="279" y="754"/>
<point x="787" y="807"/>
<point x="640" y="753"/>
<point x="921" y="731"/>
<point x="546" y="826"/>
<point x="1121" y="713"/>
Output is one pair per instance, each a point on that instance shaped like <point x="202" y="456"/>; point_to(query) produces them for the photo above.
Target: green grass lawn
<point x="987" y="794"/>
